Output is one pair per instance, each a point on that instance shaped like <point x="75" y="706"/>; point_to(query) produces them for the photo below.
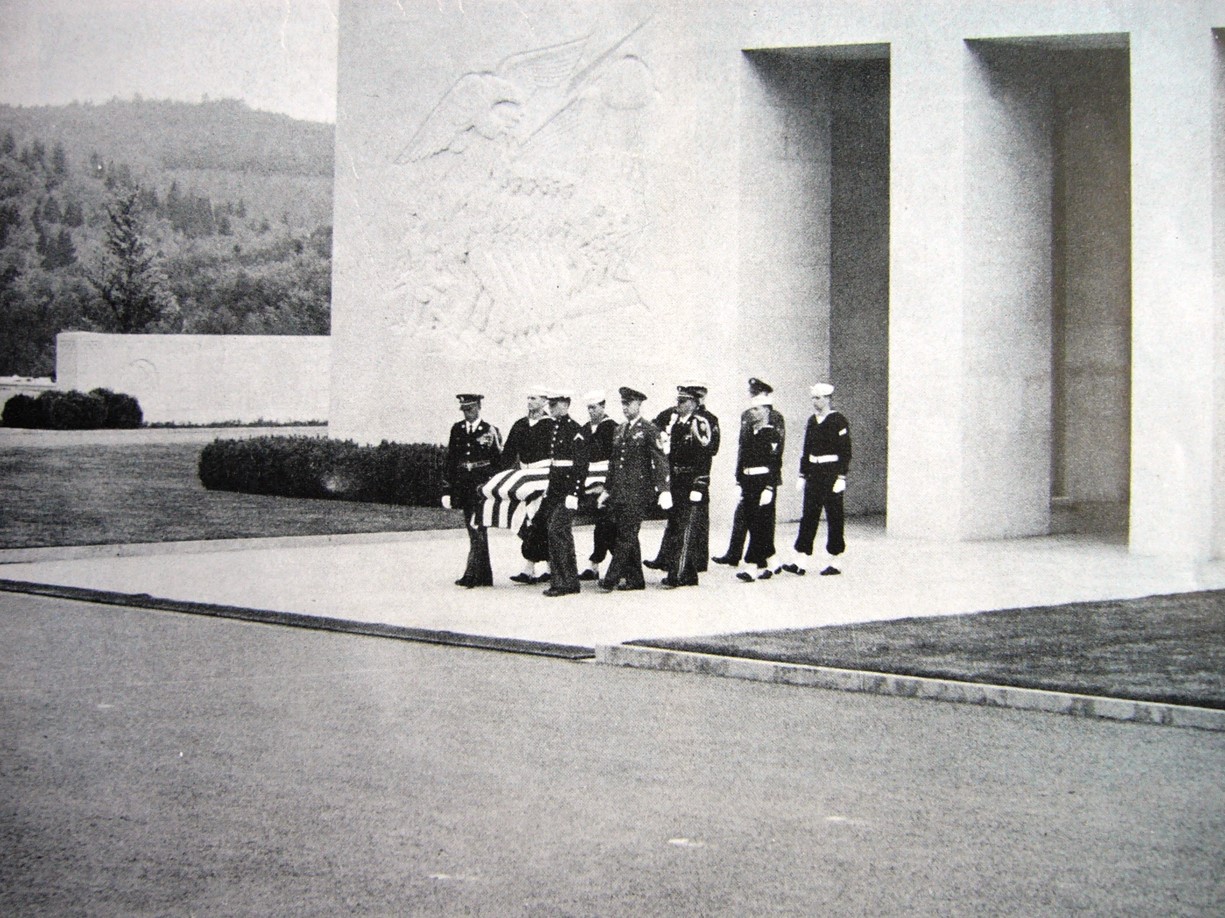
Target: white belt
<point x="821" y="460"/>
<point x="562" y="463"/>
<point x="539" y="464"/>
<point x="601" y="466"/>
<point x="756" y="470"/>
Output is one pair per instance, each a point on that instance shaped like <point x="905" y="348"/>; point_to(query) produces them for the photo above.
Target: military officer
<point x="637" y="480"/>
<point x="567" y="478"/>
<point x="735" y="545"/>
<point x="599" y="431"/>
<point x="758" y="476"/>
<point x="472" y="457"/>
<point x="688" y="436"/>
<point x="527" y="445"/>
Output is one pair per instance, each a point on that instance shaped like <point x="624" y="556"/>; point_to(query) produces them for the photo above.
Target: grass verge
<point x="97" y="495"/>
<point x="1159" y="648"/>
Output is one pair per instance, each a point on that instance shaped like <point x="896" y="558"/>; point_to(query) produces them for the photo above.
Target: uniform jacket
<point x="762" y="448"/>
<point x="527" y="442"/>
<point x="637" y="468"/>
<point x="827" y="446"/>
<point x="689" y="441"/>
<point x="600" y="439"/>
<point x="568" y="453"/>
<point x="774" y="419"/>
<point x="472" y="457"/>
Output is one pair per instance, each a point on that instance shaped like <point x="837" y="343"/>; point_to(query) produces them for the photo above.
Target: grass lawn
<point x="91" y="495"/>
<point x="1159" y="648"/>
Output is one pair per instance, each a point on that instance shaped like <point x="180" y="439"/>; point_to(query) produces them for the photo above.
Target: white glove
<point x="665" y="500"/>
<point x="799" y="484"/>
<point x="601" y="500"/>
<point x="766" y="496"/>
<point x="446" y="501"/>
<point x="839" y="485"/>
<point x="695" y="497"/>
<point x="571" y="502"/>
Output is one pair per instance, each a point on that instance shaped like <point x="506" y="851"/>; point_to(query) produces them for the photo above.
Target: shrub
<point x="390" y="473"/>
<point x="56" y="410"/>
<point x="122" y="411"/>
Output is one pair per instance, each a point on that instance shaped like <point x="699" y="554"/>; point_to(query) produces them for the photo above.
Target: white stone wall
<point x="202" y="379"/>
<point x="631" y="192"/>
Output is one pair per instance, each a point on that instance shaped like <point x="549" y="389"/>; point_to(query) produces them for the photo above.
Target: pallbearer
<point x="472" y="457"/>
<point x="567" y="478"/>
<point x="527" y="446"/>
<point x="599" y="431"/>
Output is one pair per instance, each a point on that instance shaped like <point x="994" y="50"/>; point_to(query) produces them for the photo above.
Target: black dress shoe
<point x="745" y="576"/>
<point x="669" y="582"/>
<point x="589" y="574"/>
<point x="830" y="571"/>
<point x="654" y="565"/>
<point x="766" y="574"/>
<point x="606" y="587"/>
<point x="625" y="587"/>
<point x="554" y="591"/>
<point x="726" y="559"/>
<point x="543" y="578"/>
<point x="523" y="578"/>
<point x="462" y="581"/>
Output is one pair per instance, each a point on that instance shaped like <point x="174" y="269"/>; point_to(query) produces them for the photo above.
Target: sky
<point x="275" y="55"/>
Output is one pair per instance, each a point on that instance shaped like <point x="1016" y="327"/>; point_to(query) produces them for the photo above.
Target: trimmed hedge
<point x="56" y="410"/>
<point x="390" y="473"/>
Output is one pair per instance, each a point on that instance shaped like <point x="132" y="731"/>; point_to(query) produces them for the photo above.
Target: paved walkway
<point x="407" y="580"/>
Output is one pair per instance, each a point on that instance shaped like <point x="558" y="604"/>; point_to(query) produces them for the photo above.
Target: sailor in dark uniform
<point x="472" y="457"/>
<point x="823" y="469"/>
<point x="637" y="480"/>
<point x="567" y="478"/>
<point x="758" y="476"/>
<point x="735" y="545"/>
<point x="527" y="445"/>
<point x="599" y="431"/>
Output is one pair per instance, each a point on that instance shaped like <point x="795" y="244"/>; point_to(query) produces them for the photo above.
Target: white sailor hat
<point x="762" y="400"/>
<point x="594" y="397"/>
<point x="821" y="389"/>
<point x="559" y="395"/>
<point x="536" y="391"/>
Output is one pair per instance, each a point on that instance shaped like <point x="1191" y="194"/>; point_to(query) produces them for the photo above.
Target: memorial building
<point x="996" y="227"/>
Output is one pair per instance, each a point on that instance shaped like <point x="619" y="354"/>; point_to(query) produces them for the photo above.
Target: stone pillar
<point x="927" y="185"/>
<point x="1174" y="320"/>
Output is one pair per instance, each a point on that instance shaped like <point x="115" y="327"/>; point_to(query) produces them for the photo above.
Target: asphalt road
<point x="159" y="763"/>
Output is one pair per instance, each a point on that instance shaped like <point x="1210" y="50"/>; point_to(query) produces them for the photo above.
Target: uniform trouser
<point x="479" y="572"/>
<point x="674" y="532"/>
<point x="559" y="520"/>
<point x="535" y="534"/>
<point x="693" y="531"/>
<point x="740" y="529"/>
<point x="604" y="536"/>
<point x="759" y="522"/>
<point x="627" y="551"/>
<point x="819" y="495"/>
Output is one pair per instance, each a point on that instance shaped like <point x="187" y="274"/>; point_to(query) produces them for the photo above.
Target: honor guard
<point x="735" y="545"/>
<point x="473" y="451"/>
<point x="527" y="446"/>
<point x="688" y="436"/>
<point x="637" y="480"/>
<point x="567" y="479"/>
<point x="823" y="470"/>
<point x="599" y="431"/>
<point x="758" y="476"/>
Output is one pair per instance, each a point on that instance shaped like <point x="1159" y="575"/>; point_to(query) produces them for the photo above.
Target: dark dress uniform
<point x="827" y="454"/>
<point x="472" y="458"/>
<point x="761" y="463"/>
<point x="740" y="527"/>
<point x="567" y="476"/>
<point x="527" y="444"/>
<point x="689" y="466"/>
<point x="637" y="474"/>
<point x="599" y="449"/>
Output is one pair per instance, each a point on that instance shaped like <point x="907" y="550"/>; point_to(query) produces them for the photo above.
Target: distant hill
<point x="279" y="167"/>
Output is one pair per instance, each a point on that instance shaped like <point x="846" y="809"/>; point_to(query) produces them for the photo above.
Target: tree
<point x="131" y="290"/>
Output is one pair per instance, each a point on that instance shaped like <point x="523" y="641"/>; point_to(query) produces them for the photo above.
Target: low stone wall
<point x="203" y="379"/>
<point x="23" y="385"/>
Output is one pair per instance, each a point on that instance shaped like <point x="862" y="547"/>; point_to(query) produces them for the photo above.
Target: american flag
<point x="511" y="497"/>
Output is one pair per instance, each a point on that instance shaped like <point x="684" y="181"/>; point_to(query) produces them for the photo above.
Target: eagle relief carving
<point x="525" y="202"/>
